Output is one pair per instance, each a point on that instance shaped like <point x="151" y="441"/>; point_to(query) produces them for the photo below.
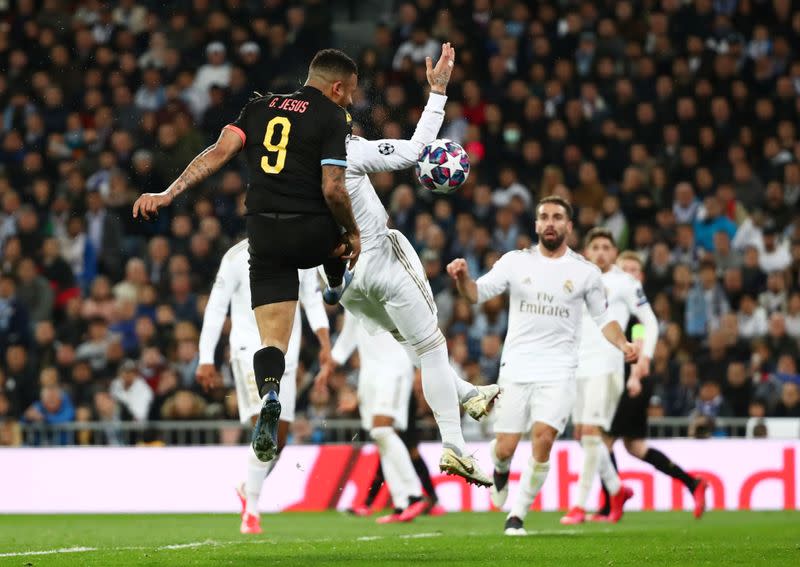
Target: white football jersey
<point x="546" y="302"/>
<point x="371" y="156"/>
<point x="232" y="287"/>
<point x="625" y="298"/>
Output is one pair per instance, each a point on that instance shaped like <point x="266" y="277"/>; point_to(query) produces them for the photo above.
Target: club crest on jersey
<point x="527" y="281"/>
<point x="385" y="148"/>
<point x="568" y="286"/>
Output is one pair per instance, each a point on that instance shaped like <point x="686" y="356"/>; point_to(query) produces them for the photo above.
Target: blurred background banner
<point x="743" y="475"/>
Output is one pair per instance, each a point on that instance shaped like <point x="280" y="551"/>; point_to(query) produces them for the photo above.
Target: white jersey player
<point x="389" y="290"/>
<point x="231" y="287"/>
<point x="385" y="379"/>
<point x="601" y="371"/>
<point x="549" y="285"/>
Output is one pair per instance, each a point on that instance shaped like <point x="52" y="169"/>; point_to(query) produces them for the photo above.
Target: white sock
<point x="608" y="474"/>
<point x="529" y="486"/>
<point x="464" y="389"/>
<point x="592" y="447"/>
<point x="501" y="466"/>
<point x="441" y="395"/>
<point x="257" y="471"/>
<point x="397" y="467"/>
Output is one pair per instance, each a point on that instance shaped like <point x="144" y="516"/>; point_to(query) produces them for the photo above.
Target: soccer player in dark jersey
<point x="298" y="209"/>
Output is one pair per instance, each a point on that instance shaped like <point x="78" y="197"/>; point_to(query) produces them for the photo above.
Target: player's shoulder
<point x="238" y="251"/>
<point x="624" y="278"/>
<point x="582" y="263"/>
<point x="519" y="255"/>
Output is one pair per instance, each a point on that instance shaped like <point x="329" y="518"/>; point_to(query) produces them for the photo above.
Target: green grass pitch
<point x="331" y="538"/>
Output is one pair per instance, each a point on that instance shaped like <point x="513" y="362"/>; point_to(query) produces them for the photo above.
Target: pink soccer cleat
<point x="361" y="510"/>
<point x="699" y="494"/>
<point x="413" y="510"/>
<point x="436" y="510"/>
<point x="251" y="524"/>
<point x="599" y="518"/>
<point x="576" y="515"/>
<point x="394" y="518"/>
<point x="618" y="503"/>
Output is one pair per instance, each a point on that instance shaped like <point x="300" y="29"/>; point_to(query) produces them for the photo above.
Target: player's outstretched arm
<point x="335" y="192"/>
<point x="467" y="287"/>
<point x="203" y="166"/>
<point x="616" y="336"/>
<point x="371" y="156"/>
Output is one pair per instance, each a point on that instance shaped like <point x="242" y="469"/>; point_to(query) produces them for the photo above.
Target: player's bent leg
<point x="440" y="392"/>
<point x="696" y="485"/>
<point x="275" y="321"/>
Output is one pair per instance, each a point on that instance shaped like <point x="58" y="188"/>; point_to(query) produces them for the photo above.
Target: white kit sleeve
<point x="370" y="156"/>
<point x="496" y="280"/>
<point x="225" y="284"/>
<point x="311" y="299"/>
<point x="347" y="340"/>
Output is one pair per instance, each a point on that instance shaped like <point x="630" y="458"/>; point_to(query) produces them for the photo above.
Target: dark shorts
<point x="410" y="436"/>
<point x="631" y="417"/>
<point x="282" y="244"/>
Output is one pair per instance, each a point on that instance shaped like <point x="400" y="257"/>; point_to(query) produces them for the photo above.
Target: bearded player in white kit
<point x="548" y="284"/>
<point x="389" y="290"/>
<point x="231" y="287"/>
<point x="601" y="375"/>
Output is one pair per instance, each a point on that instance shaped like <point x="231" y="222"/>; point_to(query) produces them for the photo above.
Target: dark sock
<point x="660" y="461"/>
<point x="606" y="509"/>
<point x="334" y="271"/>
<point x="268" y="365"/>
<point x="414" y="499"/>
<point x="375" y="487"/>
<point x="425" y="478"/>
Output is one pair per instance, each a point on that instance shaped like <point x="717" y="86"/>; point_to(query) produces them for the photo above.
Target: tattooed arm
<point x="335" y="192"/>
<point x="206" y="164"/>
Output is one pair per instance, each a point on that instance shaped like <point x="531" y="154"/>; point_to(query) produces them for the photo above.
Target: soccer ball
<point x="442" y="166"/>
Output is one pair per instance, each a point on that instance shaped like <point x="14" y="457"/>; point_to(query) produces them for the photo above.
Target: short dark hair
<point x="599" y="232"/>
<point x="556" y="200"/>
<point x="333" y="63"/>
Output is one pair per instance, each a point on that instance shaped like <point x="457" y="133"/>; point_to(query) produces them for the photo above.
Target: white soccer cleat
<point x="481" y="403"/>
<point x="514" y="527"/>
<point x="463" y="466"/>
<point x="499" y="490"/>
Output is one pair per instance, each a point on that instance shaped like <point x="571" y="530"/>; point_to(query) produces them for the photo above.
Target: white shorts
<point x="390" y="292"/>
<point x="597" y="399"/>
<point x="385" y="380"/>
<point x="245" y="380"/>
<point x="524" y="403"/>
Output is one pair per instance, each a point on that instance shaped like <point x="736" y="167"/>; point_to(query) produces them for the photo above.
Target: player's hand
<point x="458" y="269"/>
<point x="439" y="76"/>
<point x="634" y="386"/>
<point x="642" y="367"/>
<point x="352" y="248"/>
<point x="631" y="352"/>
<point x="324" y="374"/>
<point x="149" y="203"/>
<point x="208" y="377"/>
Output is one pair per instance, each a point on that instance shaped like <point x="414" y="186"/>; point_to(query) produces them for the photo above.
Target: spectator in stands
<point x="53" y="408"/>
<point x="789" y="406"/>
<point x="706" y="303"/>
<point x="131" y="391"/>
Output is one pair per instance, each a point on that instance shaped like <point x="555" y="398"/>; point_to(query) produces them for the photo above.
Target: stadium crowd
<point x="674" y="123"/>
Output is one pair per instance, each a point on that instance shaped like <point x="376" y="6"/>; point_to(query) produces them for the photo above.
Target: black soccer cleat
<point x="265" y="433"/>
<point x="514" y="527"/>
